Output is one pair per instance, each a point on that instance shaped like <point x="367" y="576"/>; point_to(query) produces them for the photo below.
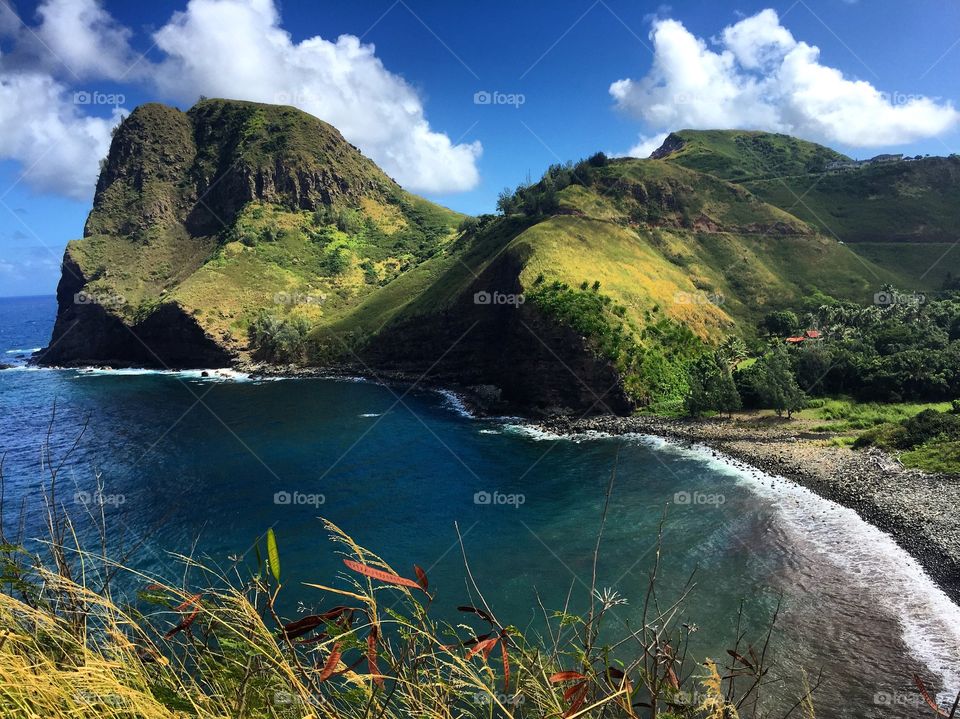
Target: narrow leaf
<point x="372" y="658"/>
<point x="331" y="664"/>
<point x="273" y="554"/>
<point x="565" y="677"/>
<point x="380" y="574"/>
<point x="421" y="577"/>
<point x="927" y="698"/>
<point x="506" y="663"/>
<point x="479" y="612"/>
<point x="486" y="646"/>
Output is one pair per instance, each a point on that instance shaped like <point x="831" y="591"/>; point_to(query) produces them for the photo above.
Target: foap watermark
<point x="95" y="97"/>
<point x="698" y="298"/>
<point x="299" y="298"/>
<point x="299" y="499"/>
<point x="99" y="499"/>
<point x="699" y="498"/>
<point x="899" y="699"/>
<point x="498" y="298"/>
<point x="499" y="499"/>
<point x="902" y="98"/>
<point x="104" y="299"/>
<point x="485" y="699"/>
<point x="512" y="99"/>
<point x="891" y="297"/>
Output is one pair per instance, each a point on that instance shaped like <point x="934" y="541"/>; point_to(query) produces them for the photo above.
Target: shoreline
<point x="920" y="511"/>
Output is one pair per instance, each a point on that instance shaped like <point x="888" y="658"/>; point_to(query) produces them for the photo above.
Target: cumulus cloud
<point x="756" y="75"/>
<point x="43" y="129"/>
<point x="83" y="36"/>
<point x="342" y="82"/>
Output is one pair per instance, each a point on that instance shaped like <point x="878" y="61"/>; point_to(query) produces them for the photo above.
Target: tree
<point x="506" y="203"/>
<point x="711" y="387"/>
<point x="732" y="351"/>
<point x="781" y="324"/>
<point x="775" y="383"/>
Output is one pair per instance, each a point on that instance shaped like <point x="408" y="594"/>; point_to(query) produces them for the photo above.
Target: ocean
<point x="202" y="466"/>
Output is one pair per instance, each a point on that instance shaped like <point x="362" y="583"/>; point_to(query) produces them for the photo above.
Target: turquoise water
<point x="204" y="465"/>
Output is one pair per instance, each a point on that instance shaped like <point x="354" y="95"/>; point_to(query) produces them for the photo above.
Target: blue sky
<point x="575" y="77"/>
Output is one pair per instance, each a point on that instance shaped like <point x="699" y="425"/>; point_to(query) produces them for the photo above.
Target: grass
<point x="845" y="415"/>
<point x="934" y="456"/>
<point x="737" y="154"/>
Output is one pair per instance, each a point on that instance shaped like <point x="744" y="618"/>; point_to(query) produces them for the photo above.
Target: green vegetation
<point x="929" y="440"/>
<point x="736" y="155"/>
<point x="900" y="215"/>
<point x="654" y="263"/>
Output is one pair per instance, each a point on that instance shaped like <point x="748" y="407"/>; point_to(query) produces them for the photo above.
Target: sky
<point x="458" y="100"/>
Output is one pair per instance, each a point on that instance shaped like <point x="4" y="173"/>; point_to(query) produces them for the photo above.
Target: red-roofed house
<point x="813" y="334"/>
<point x="795" y="340"/>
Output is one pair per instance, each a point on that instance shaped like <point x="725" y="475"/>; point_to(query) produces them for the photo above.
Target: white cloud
<point x="760" y="77"/>
<point x="342" y="82"/>
<point x="42" y="128"/>
<point x="646" y="144"/>
<point x="83" y="36"/>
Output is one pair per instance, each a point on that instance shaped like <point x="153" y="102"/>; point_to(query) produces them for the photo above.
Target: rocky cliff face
<point x="532" y="362"/>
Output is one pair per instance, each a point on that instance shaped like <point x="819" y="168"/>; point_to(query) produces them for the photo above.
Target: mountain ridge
<point x="255" y="234"/>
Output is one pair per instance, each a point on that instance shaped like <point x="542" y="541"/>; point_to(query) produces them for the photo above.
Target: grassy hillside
<point x="737" y="155"/>
<point x="901" y="216"/>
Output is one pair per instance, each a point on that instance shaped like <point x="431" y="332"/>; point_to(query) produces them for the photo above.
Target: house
<point x="813" y="335"/>
<point x="886" y="158"/>
<point x="795" y="340"/>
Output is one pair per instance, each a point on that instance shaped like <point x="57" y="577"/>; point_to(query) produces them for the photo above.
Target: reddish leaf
<point x="927" y="698"/>
<point x="187" y="621"/>
<point x="154" y="587"/>
<point x="740" y="658"/>
<point x="308" y="624"/>
<point x="331" y="664"/>
<point x="189" y="602"/>
<point x="421" y="577"/>
<point x="576" y="695"/>
<point x="486" y="646"/>
<point x="565" y="677"/>
<point x="380" y="574"/>
<point x="372" y="658"/>
<point x="614" y="673"/>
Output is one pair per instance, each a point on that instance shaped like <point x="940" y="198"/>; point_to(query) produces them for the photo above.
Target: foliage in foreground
<point x="69" y="650"/>
<point x="218" y="646"/>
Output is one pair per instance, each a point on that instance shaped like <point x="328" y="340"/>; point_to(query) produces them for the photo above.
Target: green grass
<point x="934" y="456"/>
<point x="739" y="154"/>
<point x="845" y="415"/>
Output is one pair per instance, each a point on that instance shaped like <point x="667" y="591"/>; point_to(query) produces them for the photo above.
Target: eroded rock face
<point x="88" y="332"/>
<point x="535" y="364"/>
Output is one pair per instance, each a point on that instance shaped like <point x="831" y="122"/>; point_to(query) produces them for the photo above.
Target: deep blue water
<point x="203" y="466"/>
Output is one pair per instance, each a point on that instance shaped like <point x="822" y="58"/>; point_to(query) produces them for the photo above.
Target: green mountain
<point x="239" y="233"/>
<point x="904" y="214"/>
